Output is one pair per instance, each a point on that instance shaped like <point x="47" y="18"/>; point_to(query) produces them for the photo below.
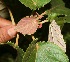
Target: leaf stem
<point x="17" y="39"/>
<point x="13" y="22"/>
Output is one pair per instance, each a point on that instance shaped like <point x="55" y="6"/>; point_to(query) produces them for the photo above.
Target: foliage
<point x="58" y="7"/>
<point x="44" y="52"/>
<point x="18" y="52"/>
<point x="28" y="25"/>
<point x="34" y="4"/>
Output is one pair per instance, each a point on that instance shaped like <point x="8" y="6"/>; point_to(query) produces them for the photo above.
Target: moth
<point x="55" y="35"/>
<point x="26" y="26"/>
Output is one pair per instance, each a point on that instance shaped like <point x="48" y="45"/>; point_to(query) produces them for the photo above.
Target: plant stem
<point x="13" y="22"/>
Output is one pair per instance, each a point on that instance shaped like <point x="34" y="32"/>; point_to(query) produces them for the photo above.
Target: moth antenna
<point x="37" y="14"/>
<point x="40" y="16"/>
<point x="43" y="21"/>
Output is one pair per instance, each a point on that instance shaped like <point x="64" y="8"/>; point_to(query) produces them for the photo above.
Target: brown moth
<point x="55" y="35"/>
<point x="27" y="25"/>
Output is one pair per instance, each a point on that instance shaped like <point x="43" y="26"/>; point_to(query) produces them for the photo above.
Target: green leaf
<point x="44" y="52"/>
<point x="52" y="16"/>
<point x="49" y="52"/>
<point x="20" y="52"/>
<point x="30" y="54"/>
<point x="34" y="4"/>
<point x="58" y="7"/>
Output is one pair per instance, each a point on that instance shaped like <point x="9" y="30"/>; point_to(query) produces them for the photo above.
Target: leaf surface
<point x="58" y="7"/>
<point x="44" y="52"/>
<point x="20" y="52"/>
<point x="49" y="52"/>
<point x="34" y="4"/>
